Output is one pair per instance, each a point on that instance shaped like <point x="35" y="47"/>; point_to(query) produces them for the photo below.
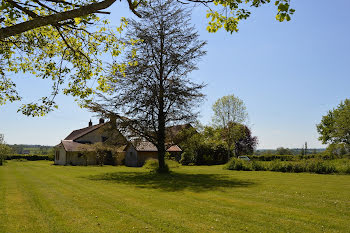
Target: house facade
<point x="81" y="147"/>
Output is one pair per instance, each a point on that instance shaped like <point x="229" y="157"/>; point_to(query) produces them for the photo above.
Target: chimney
<point x="102" y="121"/>
<point x="113" y="121"/>
<point x="90" y="123"/>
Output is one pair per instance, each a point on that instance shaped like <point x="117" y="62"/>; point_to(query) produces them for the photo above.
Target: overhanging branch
<point x="53" y="19"/>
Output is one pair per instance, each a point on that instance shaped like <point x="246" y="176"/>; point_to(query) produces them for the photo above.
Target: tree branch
<point x="53" y="19"/>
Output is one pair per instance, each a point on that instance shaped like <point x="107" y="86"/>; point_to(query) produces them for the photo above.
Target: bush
<point x="239" y="165"/>
<point x="20" y="160"/>
<point x="312" y="166"/>
<point x="321" y="167"/>
<point x="30" y="157"/>
<point x="271" y="157"/>
<point x="347" y="169"/>
<point x="152" y="164"/>
<point x="187" y="157"/>
<point x="258" y="166"/>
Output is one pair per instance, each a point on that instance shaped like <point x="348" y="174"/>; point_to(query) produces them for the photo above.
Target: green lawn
<point x="40" y="197"/>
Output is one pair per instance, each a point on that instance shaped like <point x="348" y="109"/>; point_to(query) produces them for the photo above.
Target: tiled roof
<point x="150" y="147"/>
<point x="174" y="148"/>
<point x="145" y="146"/>
<point x="70" y="145"/>
<point x="81" y="132"/>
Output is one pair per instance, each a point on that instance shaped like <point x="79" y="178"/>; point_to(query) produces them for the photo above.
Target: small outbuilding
<point x="136" y="153"/>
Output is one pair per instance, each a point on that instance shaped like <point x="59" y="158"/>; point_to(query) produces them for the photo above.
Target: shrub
<point x="311" y="165"/>
<point x="21" y="160"/>
<point x="187" y="157"/>
<point x="30" y="157"/>
<point x="320" y="167"/>
<point x="152" y="164"/>
<point x="172" y="163"/>
<point x="239" y="165"/>
<point x="258" y="166"/>
<point x="347" y="169"/>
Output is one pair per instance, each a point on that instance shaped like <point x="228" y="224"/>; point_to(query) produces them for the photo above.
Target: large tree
<point x="63" y="40"/>
<point x="229" y="115"/>
<point x="154" y="91"/>
<point x="335" y="126"/>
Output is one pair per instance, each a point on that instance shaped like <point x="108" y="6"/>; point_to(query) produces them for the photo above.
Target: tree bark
<point x="161" y="131"/>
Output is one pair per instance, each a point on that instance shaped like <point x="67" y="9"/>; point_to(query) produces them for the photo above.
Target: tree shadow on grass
<point x="173" y="181"/>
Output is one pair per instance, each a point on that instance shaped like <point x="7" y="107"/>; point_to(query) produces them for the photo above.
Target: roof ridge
<point x="75" y="134"/>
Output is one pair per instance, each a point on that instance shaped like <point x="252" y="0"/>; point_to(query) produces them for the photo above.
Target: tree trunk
<point x="161" y="114"/>
<point x="161" y="130"/>
<point x="161" y="139"/>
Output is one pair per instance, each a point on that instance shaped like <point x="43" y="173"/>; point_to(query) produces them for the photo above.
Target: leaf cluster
<point x="335" y="126"/>
<point x="228" y="13"/>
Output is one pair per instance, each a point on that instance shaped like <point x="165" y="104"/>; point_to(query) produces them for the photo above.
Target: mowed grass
<point x="40" y="197"/>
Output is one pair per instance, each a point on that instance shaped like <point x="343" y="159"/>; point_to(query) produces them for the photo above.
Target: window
<point x="103" y="139"/>
<point x="57" y="155"/>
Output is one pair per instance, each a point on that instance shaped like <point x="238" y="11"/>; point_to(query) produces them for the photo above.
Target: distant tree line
<point x="31" y="149"/>
<point x="288" y="151"/>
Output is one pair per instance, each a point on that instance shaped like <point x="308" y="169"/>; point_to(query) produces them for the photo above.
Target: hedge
<point x="30" y="157"/>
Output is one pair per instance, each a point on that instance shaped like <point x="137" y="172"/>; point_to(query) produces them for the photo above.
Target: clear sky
<point x="288" y="75"/>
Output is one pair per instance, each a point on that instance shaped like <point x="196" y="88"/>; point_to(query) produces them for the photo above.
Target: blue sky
<point x="288" y="75"/>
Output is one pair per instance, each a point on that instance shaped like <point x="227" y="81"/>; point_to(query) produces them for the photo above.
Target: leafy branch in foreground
<point x="65" y="41"/>
<point x="71" y="58"/>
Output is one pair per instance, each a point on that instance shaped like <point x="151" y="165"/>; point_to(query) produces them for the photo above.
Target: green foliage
<point x="229" y="114"/>
<point x="205" y="146"/>
<point x="239" y="165"/>
<point x="4" y="150"/>
<point x="271" y="157"/>
<point x="30" y="157"/>
<point x="155" y="91"/>
<point x="70" y="52"/>
<point x="311" y="165"/>
<point x="337" y="150"/>
<point x="335" y="126"/>
<point x="105" y="153"/>
<point x="228" y="13"/>
<point x="283" y="151"/>
<point x="229" y="109"/>
<point x="32" y="149"/>
<point x="152" y="164"/>
<point x="187" y="157"/>
<point x="69" y="56"/>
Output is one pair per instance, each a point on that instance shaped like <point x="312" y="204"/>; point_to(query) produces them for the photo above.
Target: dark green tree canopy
<point x="335" y="126"/>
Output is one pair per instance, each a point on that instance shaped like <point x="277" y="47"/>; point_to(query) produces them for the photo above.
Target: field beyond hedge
<point x="39" y="197"/>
